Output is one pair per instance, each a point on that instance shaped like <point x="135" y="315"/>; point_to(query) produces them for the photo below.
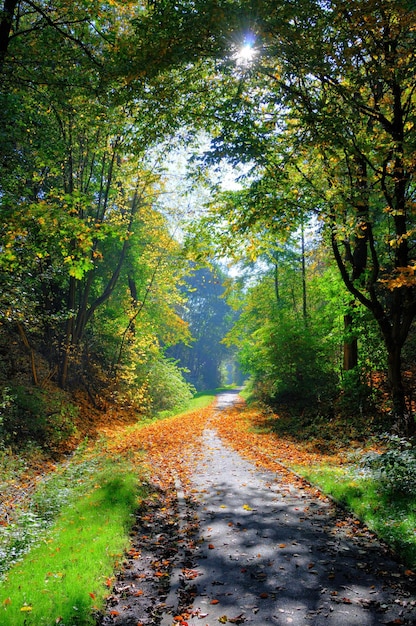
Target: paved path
<point x="272" y="553"/>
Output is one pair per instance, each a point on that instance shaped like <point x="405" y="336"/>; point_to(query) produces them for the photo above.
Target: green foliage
<point x="319" y="70"/>
<point x="209" y="317"/>
<point x="167" y="387"/>
<point x="31" y="414"/>
<point x="31" y="522"/>
<point x="394" y="469"/>
<point x="357" y="396"/>
<point x="291" y="358"/>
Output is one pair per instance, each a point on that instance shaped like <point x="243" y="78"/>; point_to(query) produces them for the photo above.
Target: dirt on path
<point x="242" y="545"/>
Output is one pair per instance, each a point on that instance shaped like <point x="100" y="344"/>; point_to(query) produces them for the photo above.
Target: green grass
<point x="61" y="580"/>
<point x="390" y="515"/>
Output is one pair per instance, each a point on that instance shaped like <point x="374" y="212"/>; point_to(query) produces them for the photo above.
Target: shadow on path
<point x="247" y="546"/>
<point x="273" y="553"/>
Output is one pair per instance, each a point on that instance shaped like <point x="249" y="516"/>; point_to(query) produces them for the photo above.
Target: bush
<point x="357" y="397"/>
<point x="395" y="469"/>
<point x="167" y="386"/>
<point x="30" y="414"/>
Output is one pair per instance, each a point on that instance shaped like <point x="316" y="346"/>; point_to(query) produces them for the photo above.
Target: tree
<point x="77" y="197"/>
<point x="290" y="359"/>
<point x="331" y="98"/>
<point x="209" y="318"/>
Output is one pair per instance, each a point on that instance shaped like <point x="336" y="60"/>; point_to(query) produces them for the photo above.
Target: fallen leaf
<point x="214" y="601"/>
<point x="211" y="546"/>
<point x="26" y="608"/>
<point x="223" y="619"/>
<point x="264" y="595"/>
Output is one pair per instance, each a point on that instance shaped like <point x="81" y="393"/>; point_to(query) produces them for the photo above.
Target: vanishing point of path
<point x="269" y="551"/>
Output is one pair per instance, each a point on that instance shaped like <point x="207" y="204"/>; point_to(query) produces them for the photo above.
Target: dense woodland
<point x="299" y="274"/>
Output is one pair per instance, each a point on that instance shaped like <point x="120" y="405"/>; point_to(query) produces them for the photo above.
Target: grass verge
<point x="390" y="515"/>
<point x="62" y="580"/>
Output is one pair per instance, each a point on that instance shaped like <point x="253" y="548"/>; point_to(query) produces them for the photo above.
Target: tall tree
<point x="74" y="185"/>
<point x="330" y="94"/>
<point x="209" y="318"/>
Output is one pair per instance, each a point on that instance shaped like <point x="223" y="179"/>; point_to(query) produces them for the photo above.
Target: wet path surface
<point x="253" y="547"/>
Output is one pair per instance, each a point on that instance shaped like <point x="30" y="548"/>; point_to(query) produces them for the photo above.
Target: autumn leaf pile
<point x="246" y="430"/>
<point x="171" y="447"/>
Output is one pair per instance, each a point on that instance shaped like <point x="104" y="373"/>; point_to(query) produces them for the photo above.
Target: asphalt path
<point x="271" y="551"/>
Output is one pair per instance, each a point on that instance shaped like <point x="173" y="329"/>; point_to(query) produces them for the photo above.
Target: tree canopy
<point x="320" y="108"/>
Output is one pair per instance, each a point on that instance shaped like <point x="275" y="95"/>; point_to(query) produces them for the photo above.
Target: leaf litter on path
<point x="262" y="547"/>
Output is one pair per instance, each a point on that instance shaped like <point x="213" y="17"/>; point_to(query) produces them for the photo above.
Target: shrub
<point x="395" y="469"/>
<point x="167" y="386"/>
<point x="46" y="417"/>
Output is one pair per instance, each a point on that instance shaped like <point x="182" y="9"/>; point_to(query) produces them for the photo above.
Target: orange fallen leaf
<point x="264" y="595"/>
<point x="211" y="546"/>
<point x="214" y="601"/>
<point x="92" y="595"/>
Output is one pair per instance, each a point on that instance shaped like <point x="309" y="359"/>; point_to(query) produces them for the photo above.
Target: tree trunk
<point x="31" y="352"/>
<point x="6" y="21"/>
<point x="304" y="293"/>
<point x="69" y="331"/>
<point x="350" y="345"/>
<point x="404" y="422"/>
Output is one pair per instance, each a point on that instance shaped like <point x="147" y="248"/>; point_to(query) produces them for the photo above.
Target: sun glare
<point x="245" y="55"/>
